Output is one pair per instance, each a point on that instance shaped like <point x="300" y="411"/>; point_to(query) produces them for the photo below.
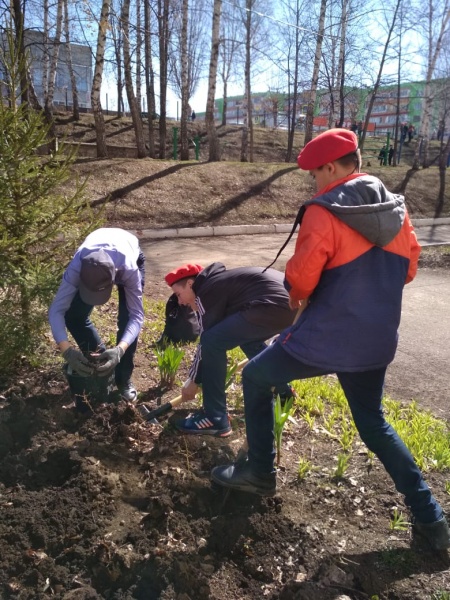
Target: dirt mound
<point x="108" y="506"/>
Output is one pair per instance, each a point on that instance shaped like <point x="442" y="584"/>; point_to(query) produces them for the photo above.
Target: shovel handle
<point x="163" y="409"/>
<point x="168" y="406"/>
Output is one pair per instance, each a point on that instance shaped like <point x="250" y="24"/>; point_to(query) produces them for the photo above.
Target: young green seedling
<point x="342" y="464"/>
<point x="281" y="415"/>
<point x="169" y="361"/>
<point x="398" y="521"/>
<point x="304" y="468"/>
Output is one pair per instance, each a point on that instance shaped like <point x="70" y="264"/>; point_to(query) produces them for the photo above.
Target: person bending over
<point x="235" y="307"/>
<point x="107" y="256"/>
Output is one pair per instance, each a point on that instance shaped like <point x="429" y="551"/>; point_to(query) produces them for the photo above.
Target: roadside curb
<point x="224" y="230"/>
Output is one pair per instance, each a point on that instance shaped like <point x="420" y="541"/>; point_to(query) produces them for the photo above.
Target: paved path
<point x="421" y="369"/>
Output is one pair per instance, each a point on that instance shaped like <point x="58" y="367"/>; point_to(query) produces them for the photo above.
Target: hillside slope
<point x="151" y="193"/>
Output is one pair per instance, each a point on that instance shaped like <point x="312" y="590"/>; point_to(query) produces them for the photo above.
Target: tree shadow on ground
<point x="401" y="187"/>
<point x="121" y="192"/>
<point x="215" y="214"/>
<point x="236" y="201"/>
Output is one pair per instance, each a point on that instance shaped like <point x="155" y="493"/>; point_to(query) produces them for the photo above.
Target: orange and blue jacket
<point x="355" y="251"/>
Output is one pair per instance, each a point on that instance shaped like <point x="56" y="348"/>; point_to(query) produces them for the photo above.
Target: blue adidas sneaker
<point x="198" y="423"/>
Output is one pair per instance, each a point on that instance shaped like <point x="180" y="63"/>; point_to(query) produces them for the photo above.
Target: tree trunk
<point x="290" y="146"/>
<point x="163" y="29"/>
<point x="213" y="140"/>
<point x="134" y="108"/>
<point x="48" y="104"/>
<point x="138" y="56"/>
<point x="225" y="103"/>
<point x="46" y="53"/>
<point x="116" y="33"/>
<point x="340" y="78"/>
<point x="443" y="157"/>
<point x="97" y="81"/>
<point x="315" y="76"/>
<point x="184" y="154"/>
<point x="247" y="84"/>
<point x="73" y="81"/>
<point x="380" y="72"/>
<point x="149" y="79"/>
<point x="421" y="150"/>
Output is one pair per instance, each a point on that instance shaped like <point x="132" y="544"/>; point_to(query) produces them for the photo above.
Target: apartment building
<point x="272" y="110"/>
<point x="82" y="66"/>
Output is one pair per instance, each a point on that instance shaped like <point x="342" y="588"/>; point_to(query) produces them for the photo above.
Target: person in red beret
<point x="355" y="251"/>
<point x="235" y="307"/>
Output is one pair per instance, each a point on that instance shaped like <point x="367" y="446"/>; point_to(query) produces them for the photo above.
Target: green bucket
<point x="88" y="391"/>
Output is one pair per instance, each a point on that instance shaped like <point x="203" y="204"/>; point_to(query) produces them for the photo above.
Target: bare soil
<point x="110" y="507"/>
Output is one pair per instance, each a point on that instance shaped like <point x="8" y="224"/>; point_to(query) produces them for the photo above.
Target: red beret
<point x="182" y="272"/>
<point x="327" y="147"/>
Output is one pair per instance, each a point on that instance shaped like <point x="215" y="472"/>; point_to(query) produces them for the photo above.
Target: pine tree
<point x="40" y="224"/>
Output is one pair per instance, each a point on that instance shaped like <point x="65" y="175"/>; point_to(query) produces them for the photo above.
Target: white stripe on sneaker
<point x="204" y="423"/>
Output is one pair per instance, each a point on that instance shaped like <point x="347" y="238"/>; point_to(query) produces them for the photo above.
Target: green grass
<point x="321" y="403"/>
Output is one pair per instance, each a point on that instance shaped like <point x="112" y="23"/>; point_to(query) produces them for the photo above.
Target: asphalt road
<point x="421" y="369"/>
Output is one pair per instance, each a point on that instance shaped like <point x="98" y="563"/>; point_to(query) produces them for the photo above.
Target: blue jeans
<point x="78" y="322"/>
<point x="364" y="391"/>
<point x="231" y="332"/>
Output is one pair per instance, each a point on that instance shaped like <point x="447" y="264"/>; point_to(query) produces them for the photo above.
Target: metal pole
<point x="175" y="143"/>
<point x="197" y="146"/>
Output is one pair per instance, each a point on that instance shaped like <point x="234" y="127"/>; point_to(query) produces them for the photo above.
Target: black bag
<point x="181" y="324"/>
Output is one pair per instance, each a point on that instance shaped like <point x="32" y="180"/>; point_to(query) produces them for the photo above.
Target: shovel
<point x="151" y="415"/>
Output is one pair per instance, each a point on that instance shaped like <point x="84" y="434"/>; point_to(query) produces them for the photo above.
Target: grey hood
<point x="365" y="205"/>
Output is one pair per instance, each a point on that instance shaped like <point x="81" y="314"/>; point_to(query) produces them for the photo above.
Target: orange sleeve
<point x="314" y="247"/>
<point x="415" y="251"/>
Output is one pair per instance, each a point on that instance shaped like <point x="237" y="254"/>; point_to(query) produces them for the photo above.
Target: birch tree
<point x="149" y="77"/>
<point x="116" y="35"/>
<point x="391" y="28"/>
<point x="437" y="21"/>
<point x="138" y="55"/>
<point x="247" y="130"/>
<point x="73" y="81"/>
<point x="228" y="51"/>
<point x="315" y="75"/>
<point x="184" y="154"/>
<point x="194" y="42"/>
<point x="256" y="39"/>
<point x="293" y="40"/>
<point x="18" y="21"/>
<point x="163" y="33"/>
<point x="50" y="92"/>
<point x="213" y="141"/>
<point x="99" y="119"/>
<point x="132" y="102"/>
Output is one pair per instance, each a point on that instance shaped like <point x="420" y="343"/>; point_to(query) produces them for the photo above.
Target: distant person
<point x="390" y="155"/>
<point x="411" y="131"/>
<point x="107" y="257"/>
<point x="382" y="155"/>
<point x="404" y="132"/>
<point x="193" y="115"/>
<point x="241" y="307"/>
<point x="356" y="249"/>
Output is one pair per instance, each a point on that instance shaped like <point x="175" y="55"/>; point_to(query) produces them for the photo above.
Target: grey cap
<point x="97" y="276"/>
